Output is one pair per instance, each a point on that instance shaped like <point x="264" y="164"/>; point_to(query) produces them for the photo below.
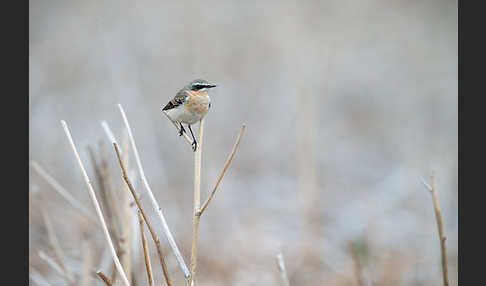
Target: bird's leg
<point x="194" y="142"/>
<point x="182" y="129"/>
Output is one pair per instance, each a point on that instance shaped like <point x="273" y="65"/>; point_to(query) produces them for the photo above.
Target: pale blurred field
<point x="347" y="105"/>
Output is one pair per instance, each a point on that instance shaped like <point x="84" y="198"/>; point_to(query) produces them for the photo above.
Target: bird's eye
<point x="198" y="86"/>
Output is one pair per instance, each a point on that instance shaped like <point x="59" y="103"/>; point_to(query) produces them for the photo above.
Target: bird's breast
<point x="197" y="104"/>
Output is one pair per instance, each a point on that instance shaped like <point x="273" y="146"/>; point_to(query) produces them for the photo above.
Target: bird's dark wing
<point x="177" y="100"/>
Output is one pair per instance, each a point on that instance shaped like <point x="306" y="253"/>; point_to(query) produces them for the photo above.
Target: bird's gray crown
<point x="198" y="84"/>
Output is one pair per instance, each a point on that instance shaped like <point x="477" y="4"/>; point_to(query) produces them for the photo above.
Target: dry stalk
<point x="282" y="270"/>
<point x="56" y="247"/>
<point x="149" y="226"/>
<point x="61" y="191"/>
<point x="146" y="254"/>
<point x="197" y="200"/>
<point x="103" y="277"/>
<point x="154" y="202"/>
<point x="442" y="237"/>
<point x="96" y="204"/>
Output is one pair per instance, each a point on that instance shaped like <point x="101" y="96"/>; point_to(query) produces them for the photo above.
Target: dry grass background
<point x="347" y="105"/>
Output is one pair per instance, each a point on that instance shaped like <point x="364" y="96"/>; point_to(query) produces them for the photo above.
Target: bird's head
<point x="200" y="85"/>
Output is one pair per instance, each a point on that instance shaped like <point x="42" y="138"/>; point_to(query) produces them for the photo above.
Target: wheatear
<point x="190" y="105"/>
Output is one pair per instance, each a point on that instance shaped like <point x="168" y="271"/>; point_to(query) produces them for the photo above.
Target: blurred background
<point x="348" y="104"/>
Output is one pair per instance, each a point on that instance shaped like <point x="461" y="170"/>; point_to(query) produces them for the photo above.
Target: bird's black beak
<point x="211" y="85"/>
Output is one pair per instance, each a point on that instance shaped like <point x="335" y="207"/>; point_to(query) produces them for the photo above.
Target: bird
<point x="190" y="105"/>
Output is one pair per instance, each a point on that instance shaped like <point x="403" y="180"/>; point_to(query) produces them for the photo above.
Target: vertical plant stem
<point x="96" y="204"/>
<point x="197" y="200"/>
<point x="154" y="202"/>
<point x="146" y="254"/>
<point x="440" y="229"/>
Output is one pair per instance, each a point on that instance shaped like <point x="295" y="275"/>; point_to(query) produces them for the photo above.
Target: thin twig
<point x="282" y="270"/>
<point x="149" y="226"/>
<point x="154" y="202"/>
<point x="60" y="190"/>
<point x="442" y="237"/>
<point x="197" y="200"/>
<point x="56" y="247"/>
<point x="226" y="165"/>
<point x="103" y="277"/>
<point x="96" y="204"/>
<point x="146" y="253"/>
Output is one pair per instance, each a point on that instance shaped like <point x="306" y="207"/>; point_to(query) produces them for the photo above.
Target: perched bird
<point x="190" y="105"/>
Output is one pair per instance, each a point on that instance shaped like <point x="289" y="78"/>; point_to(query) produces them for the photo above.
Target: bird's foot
<point x="182" y="130"/>
<point x="194" y="145"/>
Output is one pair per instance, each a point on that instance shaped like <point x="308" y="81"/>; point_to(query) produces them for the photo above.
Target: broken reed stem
<point x="197" y="200"/>
<point x="442" y="237"/>
<point x="96" y="204"/>
<point x="282" y="270"/>
<point x="61" y="191"/>
<point x="146" y="254"/>
<point x="149" y="226"/>
<point x="154" y="202"/>
<point x="226" y="165"/>
<point x="103" y="277"/>
<point x="56" y="247"/>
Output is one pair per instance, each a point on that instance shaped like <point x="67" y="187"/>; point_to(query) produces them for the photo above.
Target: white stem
<point x="96" y="204"/>
<point x="155" y="205"/>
